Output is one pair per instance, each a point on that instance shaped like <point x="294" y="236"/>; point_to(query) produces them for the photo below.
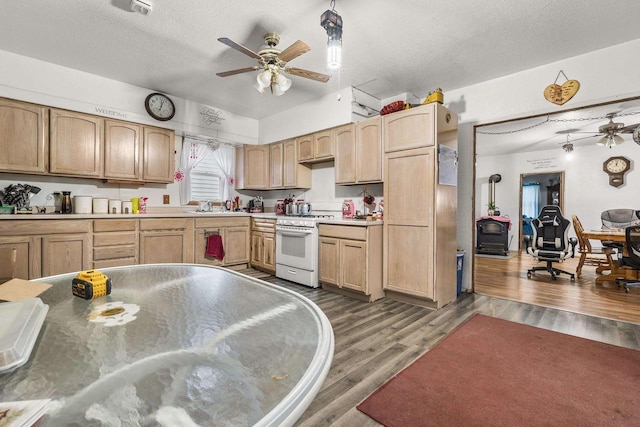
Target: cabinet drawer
<point x="164" y="224"/>
<point x="354" y="232"/>
<point x="242" y="221"/>
<point x="119" y="262"/>
<point x="113" y="239"/>
<point x="112" y="252"/>
<point x="101" y="225"/>
<point x="266" y="225"/>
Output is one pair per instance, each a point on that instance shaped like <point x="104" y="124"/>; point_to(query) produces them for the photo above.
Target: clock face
<point x="617" y="165"/>
<point x="159" y="106"/>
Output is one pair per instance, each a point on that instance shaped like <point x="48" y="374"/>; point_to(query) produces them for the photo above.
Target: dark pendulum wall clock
<point x="616" y="167"/>
<point x="159" y="106"/>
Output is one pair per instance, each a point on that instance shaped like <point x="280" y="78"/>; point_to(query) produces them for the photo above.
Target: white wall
<point x="31" y="80"/>
<point x="604" y="75"/>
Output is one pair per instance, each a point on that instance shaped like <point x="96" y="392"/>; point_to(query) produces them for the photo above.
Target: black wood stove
<point x="492" y="236"/>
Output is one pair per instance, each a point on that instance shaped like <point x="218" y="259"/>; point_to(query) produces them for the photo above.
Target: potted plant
<point x="491" y="208"/>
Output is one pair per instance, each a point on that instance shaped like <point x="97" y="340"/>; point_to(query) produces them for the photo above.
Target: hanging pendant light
<point x="332" y="23"/>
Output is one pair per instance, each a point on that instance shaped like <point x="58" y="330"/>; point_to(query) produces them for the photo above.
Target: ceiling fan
<point x="273" y="62"/>
<point x="611" y="132"/>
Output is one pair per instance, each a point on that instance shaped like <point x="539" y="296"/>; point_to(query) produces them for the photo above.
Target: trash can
<point x="459" y="265"/>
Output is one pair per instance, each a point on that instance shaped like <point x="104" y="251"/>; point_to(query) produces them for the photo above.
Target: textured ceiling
<point x="389" y="48"/>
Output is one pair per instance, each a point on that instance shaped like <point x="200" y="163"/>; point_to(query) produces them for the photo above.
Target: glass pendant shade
<point x="283" y="82"/>
<point x="334" y="54"/>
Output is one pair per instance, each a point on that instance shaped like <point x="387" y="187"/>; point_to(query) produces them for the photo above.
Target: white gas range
<point x="297" y="248"/>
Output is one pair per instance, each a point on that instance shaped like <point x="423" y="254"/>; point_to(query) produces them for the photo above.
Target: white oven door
<point x="297" y="247"/>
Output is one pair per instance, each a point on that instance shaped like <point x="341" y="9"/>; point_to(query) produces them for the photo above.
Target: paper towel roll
<point x="82" y="204"/>
<point x="100" y="206"/>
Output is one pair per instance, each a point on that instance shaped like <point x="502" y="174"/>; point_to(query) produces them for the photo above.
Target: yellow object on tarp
<point x="435" y="96"/>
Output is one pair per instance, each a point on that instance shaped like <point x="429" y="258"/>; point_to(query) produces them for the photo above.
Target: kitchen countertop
<point x="356" y="222"/>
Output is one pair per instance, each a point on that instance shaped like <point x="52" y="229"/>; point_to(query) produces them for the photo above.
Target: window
<point x="206" y="179"/>
<point x="530" y="200"/>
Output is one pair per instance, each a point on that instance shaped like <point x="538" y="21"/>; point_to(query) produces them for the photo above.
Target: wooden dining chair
<point x="602" y="259"/>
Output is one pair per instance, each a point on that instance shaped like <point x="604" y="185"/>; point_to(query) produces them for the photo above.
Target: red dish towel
<point x="214" y="246"/>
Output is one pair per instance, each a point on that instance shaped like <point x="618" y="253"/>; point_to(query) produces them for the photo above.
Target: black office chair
<point x="550" y="241"/>
<point x="631" y="259"/>
<point x="618" y="218"/>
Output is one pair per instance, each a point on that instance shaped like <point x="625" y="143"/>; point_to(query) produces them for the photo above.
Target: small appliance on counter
<point x="256" y="205"/>
<point x="348" y="209"/>
<point x="280" y="208"/>
<point x="304" y="208"/>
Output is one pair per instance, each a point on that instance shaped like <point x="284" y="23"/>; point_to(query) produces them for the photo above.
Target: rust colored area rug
<point x="492" y="372"/>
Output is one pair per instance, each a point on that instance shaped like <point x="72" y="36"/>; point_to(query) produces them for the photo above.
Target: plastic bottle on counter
<point x="142" y="204"/>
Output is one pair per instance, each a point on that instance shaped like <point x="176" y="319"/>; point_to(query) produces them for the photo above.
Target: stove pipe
<point x="492" y="187"/>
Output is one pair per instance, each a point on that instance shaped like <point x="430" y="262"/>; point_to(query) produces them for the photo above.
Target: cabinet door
<point x="369" y="150"/>
<point x="15" y="254"/>
<point x="295" y="175"/>
<point x="65" y="253"/>
<point x="122" y="150"/>
<point x="158" y="155"/>
<point x="345" y="166"/>
<point x="353" y="261"/>
<point x="236" y="245"/>
<point x="164" y="246"/>
<point x="324" y="145"/>
<point x="24" y="137"/>
<point x="256" y="249"/>
<point x="276" y="157"/>
<point x="201" y="246"/>
<point x="256" y="167"/>
<point x="408" y="129"/>
<point x="269" y="251"/>
<point x="328" y="260"/>
<point x="305" y="147"/>
<point x="75" y="144"/>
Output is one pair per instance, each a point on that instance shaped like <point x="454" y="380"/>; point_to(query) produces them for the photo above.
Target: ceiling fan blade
<point x="308" y="74"/>
<point x="293" y="51"/>
<point x="238" y="71"/>
<point x="239" y="47"/>
<point x="629" y="128"/>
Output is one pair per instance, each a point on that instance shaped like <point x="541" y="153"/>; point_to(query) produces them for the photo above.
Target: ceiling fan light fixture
<point x="282" y="82"/>
<point x="568" y="147"/>
<point x="332" y="23"/>
<point x="617" y="140"/>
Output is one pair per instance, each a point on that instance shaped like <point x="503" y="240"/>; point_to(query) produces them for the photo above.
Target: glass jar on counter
<point x="57" y="202"/>
<point x="66" y="207"/>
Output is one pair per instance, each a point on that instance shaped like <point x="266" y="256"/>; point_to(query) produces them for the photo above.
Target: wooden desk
<point x="612" y="235"/>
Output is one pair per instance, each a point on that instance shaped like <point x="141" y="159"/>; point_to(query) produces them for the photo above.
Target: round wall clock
<point x="159" y="106"/>
<point x="616" y="167"/>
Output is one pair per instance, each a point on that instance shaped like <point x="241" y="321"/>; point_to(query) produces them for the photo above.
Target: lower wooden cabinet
<point x="166" y="240"/>
<point x="235" y="240"/>
<point x="44" y="248"/>
<point x="350" y="260"/>
<point x="263" y="244"/>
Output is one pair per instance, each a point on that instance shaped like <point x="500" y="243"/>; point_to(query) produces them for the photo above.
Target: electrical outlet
<point x="165" y="199"/>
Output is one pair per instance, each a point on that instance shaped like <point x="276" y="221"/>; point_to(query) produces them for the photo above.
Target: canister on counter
<point x="127" y="207"/>
<point x="115" y="206"/>
<point x="100" y="205"/>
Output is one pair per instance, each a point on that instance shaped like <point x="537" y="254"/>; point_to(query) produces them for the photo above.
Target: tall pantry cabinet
<point x="419" y="231"/>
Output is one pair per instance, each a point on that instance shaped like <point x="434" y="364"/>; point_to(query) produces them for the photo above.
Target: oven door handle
<point x="292" y="233"/>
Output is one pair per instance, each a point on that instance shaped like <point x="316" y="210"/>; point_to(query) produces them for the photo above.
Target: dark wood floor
<point x="373" y="342"/>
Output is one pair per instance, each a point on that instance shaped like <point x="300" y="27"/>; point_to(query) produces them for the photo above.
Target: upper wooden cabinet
<point x="415" y="128"/>
<point x="252" y="167"/>
<point x="359" y="152"/>
<point x="122" y="149"/>
<point x="158" y="155"/>
<point x="75" y="144"/>
<point x="294" y="174"/>
<point x="276" y="158"/>
<point x="316" y="147"/>
<point x="24" y="137"/>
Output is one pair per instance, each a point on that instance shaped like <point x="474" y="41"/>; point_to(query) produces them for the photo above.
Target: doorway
<point x="538" y="190"/>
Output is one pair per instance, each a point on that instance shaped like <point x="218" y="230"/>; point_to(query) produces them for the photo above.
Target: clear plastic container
<point x="19" y="329"/>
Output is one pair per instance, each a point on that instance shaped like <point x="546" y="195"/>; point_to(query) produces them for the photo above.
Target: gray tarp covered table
<point x="195" y="345"/>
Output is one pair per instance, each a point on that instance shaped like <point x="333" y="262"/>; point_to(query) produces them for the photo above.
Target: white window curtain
<point x="193" y="152"/>
<point x="224" y="157"/>
<point x="531" y="200"/>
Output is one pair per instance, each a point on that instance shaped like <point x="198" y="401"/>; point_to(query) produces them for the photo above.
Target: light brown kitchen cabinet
<point x="263" y="244"/>
<point x="235" y="232"/>
<point x="165" y="240"/>
<point x="419" y="231"/>
<point x="158" y="162"/>
<point x="294" y="174"/>
<point x="115" y="242"/>
<point x="24" y="137"/>
<point x="359" y="152"/>
<point x="252" y="167"/>
<point x="122" y="150"/>
<point x="345" y="166"/>
<point x="350" y="260"/>
<point x="316" y="147"/>
<point x="276" y="159"/>
<point x="46" y="247"/>
<point x="75" y="144"/>
<point x="14" y="257"/>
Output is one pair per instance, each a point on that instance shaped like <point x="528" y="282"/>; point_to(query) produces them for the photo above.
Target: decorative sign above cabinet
<point x="560" y="94"/>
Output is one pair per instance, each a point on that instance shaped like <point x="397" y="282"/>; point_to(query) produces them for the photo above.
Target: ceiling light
<point x="332" y="23"/>
<point x="271" y="78"/>
<point x="568" y="147"/>
<point x="610" y="140"/>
